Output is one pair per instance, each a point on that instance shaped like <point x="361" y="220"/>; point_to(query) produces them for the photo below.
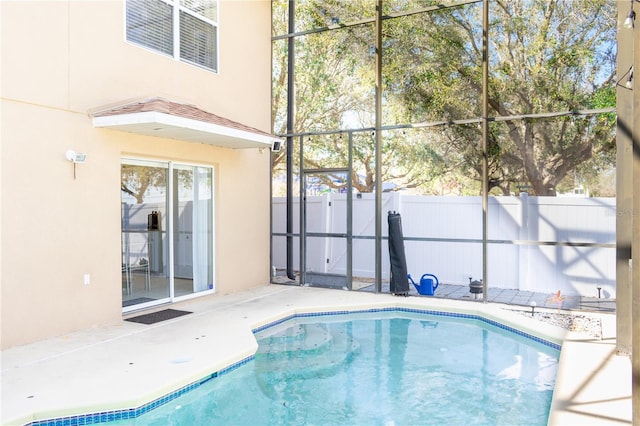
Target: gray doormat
<point x="155" y="317"/>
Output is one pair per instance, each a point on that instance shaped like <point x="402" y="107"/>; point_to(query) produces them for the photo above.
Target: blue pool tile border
<point x="415" y="311"/>
<point x="132" y="413"/>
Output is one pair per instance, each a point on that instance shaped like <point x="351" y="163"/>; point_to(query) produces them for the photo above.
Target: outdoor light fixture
<point x="628" y="84"/>
<point x="75" y="158"/>
<point x="629" y="22"/>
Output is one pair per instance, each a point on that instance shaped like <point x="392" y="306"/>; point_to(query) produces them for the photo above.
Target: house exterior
<point x="135" y="149"/>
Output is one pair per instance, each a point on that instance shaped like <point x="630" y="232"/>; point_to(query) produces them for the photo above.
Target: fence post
<point x="523" y="249"/>
<point x="327" y="227"/>
<point x="396" y="201"/>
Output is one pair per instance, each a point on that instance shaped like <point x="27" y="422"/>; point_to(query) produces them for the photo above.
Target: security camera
<point x="276" y="146"/>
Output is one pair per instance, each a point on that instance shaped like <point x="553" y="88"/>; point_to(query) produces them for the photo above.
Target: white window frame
<point x="178" y="8"/>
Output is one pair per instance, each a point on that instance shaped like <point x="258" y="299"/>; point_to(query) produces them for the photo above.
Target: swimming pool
<point x="401" y="364"/>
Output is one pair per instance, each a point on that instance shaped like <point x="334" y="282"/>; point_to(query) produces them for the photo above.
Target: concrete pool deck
<point x="126" y="365"/>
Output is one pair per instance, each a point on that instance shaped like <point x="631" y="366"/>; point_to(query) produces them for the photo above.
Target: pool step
<point x="302" y="352"/>
<point x="301" y="337"/>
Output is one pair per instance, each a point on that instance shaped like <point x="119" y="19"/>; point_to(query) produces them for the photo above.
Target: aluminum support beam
<point x="291" y="54"/>
<point x="485" y="140"/>
<point x="624" y="186"/>
<point x="378" y="142"/>
<point x="635" y="242"/>
<point x="365" y="21"/>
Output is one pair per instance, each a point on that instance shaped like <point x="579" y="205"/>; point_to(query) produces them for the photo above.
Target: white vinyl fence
<point x="542" y="244"/>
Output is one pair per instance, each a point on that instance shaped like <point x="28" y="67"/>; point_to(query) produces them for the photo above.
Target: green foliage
<point x="544" y="56"/>
<point x="136" y="180"/>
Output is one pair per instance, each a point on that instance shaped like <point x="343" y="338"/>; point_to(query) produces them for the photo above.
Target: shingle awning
<point x="167" y="119"/>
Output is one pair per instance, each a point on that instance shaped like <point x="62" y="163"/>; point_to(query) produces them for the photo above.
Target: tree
<point x="330" y="81"/>
<point x="545" y="56"/>
<point x="335" y="87"/>
<point x="136" y="180"/>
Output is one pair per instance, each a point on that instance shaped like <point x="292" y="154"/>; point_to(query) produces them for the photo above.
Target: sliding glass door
<point x="193" y="229"/>
<point x="144" y="208"/>
<point x="167" y="232"/>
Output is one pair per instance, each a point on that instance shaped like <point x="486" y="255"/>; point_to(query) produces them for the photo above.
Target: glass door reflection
<point x="144" y="206"/>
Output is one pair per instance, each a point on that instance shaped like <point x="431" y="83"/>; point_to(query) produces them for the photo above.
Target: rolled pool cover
<point x="399" y="284"/>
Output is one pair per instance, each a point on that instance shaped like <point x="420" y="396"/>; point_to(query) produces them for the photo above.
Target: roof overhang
<point x="165" y="119"/>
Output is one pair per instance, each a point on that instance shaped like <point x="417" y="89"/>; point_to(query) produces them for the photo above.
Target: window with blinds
<point x="184" y="29"/>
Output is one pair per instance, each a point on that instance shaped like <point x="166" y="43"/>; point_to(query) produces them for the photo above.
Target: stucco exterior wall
<point x="70" y="59"/>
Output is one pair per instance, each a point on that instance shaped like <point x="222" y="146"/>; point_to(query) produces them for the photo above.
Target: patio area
<point x="125" y="365"/>
<point x="521" y="298"/>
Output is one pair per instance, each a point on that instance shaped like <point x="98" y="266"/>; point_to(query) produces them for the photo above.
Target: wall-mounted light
<point x="629" y="21"/>
<point x="629" y="79"/>
<point x="75" y="158"/>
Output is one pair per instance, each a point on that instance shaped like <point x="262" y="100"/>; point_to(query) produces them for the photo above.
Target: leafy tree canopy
<point x="545" y="56"/>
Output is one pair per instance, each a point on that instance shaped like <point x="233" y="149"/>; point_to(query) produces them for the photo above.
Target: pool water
<point x="396" y="369"/>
